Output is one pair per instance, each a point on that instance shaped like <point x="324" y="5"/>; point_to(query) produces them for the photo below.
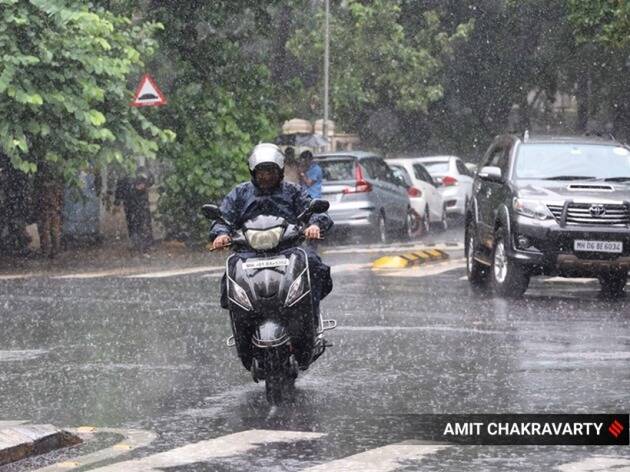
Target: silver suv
<point x="364" y="195"/>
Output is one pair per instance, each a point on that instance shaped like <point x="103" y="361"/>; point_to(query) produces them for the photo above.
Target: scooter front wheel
<point x="280" y="376"/>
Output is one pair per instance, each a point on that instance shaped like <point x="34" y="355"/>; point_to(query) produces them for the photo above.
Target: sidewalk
<point x="113" y="255"/>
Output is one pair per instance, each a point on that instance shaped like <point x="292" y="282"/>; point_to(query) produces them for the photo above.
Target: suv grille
<point x="593" y="214"/>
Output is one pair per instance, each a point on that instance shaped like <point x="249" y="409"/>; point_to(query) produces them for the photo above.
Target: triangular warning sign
<point x="148" y="94"/>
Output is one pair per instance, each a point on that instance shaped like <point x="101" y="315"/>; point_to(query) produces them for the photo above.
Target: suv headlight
<point x="296" y="290"/>
<point x="264" y="239"/>
<point x="531" y="209"/>
<point x="239" y="296"/>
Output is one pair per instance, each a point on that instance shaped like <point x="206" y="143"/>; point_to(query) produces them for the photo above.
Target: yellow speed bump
<point x="409" y="259"/>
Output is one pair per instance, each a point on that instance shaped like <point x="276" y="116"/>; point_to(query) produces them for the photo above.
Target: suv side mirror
<point x="491" y="173"/>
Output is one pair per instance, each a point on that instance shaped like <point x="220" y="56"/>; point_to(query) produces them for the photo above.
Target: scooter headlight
<point x="296" y="290"/>
<point x="264" y="239"/>
<point x="239" y="296"/>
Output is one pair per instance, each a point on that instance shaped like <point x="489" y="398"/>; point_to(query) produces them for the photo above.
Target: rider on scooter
<point x="268" y="194"/>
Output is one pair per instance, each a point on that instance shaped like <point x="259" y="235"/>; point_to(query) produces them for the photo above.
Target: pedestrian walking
<point x="133" y="193"/>
<point x="49" y="186"/>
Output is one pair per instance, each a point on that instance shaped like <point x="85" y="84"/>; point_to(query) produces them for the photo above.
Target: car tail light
<point x="361" y="185"/>
<point x="449" y="181"/>
<point x="414" y="192"/>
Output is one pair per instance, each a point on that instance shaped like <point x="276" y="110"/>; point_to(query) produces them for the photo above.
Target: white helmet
<point x="266" y="153"/>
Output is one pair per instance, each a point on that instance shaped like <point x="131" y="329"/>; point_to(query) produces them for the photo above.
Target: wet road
<point x="149" y="353"/>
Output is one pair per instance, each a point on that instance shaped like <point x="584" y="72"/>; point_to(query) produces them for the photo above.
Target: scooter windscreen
<point x="264" y="232"/>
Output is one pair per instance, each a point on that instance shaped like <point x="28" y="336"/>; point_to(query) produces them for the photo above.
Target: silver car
<point x="365" y="197"/>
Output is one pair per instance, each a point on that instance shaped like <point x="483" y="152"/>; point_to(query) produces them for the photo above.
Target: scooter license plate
<point x="265" y="263"/>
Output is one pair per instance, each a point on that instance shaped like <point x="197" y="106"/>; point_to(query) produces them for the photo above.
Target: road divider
<point x="410" y="259"/>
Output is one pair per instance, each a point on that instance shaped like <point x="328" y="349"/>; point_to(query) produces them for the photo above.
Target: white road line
<point x="382" y="459"/>
<point x="368" y="249"/>
<point x="335" y="269"/>
<point x="224" y="446"/>
<point x="18" y="276"/>
<point x="569" y="280"/>
<point x="424" y="270"/>
<point x="598" y="464"/>
<point x="11" y="423"/>
<point x="420" y="328"/>
<point x="175" y="273"/>
<point x="96" y="274"/>
<point x="21" y="355"/>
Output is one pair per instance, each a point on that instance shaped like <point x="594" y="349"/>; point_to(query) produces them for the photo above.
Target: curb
<point x="20" y="442"/>
<point x="409" y="259"/>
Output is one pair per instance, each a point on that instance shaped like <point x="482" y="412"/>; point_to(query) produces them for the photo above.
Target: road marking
<point x="598" y="464"/>
<point x="425" y="270"/>
<point x="134" y="438"/>
<point x="96" y="274"/>
<point x="338" y="268"/>
<point x="569" y="280"/>
<point x="175" y="273"/>
<point x="21" y="355"/>
<point x="11" y="423"/>
<point x="420" y="328"/>
<point x="382" y="459"/>
<point x="224" y="446"/>
<point x="17" y="276"/>
<point x="410" y="248"/>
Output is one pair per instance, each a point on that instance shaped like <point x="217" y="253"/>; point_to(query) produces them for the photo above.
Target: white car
<point x="424" y="194"/>
<point x="455" y="181"/>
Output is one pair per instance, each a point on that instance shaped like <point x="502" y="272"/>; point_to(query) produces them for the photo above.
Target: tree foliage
<point x="213" y="62"/>
<point x="604" y="21"/>
<point x="63" y="86"/>
<point x="379" y="70"/>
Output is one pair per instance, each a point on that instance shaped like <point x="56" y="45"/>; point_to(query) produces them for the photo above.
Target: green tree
<point x="604" y="21"/>
<point x="213" y="62"/>
<point x="380" y="72"/>
<point x="63" y="86"/>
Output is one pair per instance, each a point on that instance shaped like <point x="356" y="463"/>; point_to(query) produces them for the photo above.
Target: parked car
<point x="426" y="199"/>
<point x="455" y="180"/>
<point x="365" y="197"/>
<point x="550" y="206"/>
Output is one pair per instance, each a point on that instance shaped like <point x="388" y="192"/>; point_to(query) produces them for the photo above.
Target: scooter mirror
<point x="211" y="212"/>
<point x="318" y="206"/>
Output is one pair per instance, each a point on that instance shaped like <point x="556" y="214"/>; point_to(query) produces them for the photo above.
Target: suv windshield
<point x="572" y="161"/>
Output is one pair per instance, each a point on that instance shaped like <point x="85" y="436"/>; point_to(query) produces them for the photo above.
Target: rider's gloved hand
<point x="312" y="232"/>
<point x="221" y="241"/>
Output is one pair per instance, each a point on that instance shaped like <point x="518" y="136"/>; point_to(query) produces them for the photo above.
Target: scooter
<point x="275" y="330"/>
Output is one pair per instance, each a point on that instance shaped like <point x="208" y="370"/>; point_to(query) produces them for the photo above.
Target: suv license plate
<point x="615" y="247"/>
<point x="265" y="263"/>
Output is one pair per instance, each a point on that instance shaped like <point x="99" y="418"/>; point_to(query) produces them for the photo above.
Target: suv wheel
<point x="613" y="283"/>
<point x="476" y="272"/>
<point x="509" y="278"/>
